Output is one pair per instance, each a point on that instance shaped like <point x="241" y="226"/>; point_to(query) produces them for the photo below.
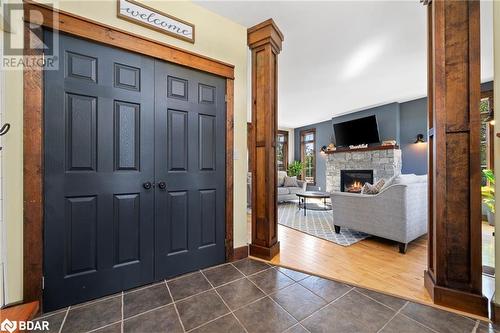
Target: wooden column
<point x="454" y="272"/>
<point x="265" y="41"/>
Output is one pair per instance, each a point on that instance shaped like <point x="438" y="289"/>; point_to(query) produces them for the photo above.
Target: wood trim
<point x="285" y="148"/>
<point x="240" y="253"/>
<point x="20" y="312"/>
<point x="347" y="150"/>
<point x="229" y="168"/>
<point x="491" y="130"/>
<point x="494" y="310"/>
<point x="454" y="274"/>
<point x="32" y="174"/>
<point x="33" y="128"/>
<point x="105" y="34"/>
<point x="123" y="17"/>
<point x="301" y="136"/>
<point x="264" y="41"/>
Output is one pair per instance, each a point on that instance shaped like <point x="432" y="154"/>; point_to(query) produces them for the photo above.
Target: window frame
<point x="491" y="131"/>
<point x="285" y="148"/>
<point x="303" y="134"/>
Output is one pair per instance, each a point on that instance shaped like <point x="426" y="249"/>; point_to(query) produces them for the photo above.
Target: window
<point x="486" y="147"/>
<point x="282" y="150"/>
<point x="308" y="155"/>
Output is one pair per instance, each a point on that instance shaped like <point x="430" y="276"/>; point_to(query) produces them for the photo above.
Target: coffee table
<point x="303" y="196"/>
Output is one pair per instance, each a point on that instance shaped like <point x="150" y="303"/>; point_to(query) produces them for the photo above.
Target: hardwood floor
<point x="373" y="263"/>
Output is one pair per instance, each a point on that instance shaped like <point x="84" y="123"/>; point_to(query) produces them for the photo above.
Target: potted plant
<point x="295" y="168"/>
<point x="488" y="194"/>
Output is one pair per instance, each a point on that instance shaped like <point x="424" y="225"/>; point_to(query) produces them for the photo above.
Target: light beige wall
<point x="496" y="99"/>
<point x="216" y="37"/>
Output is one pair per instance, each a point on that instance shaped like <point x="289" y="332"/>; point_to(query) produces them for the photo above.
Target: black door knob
<point x="147" y="185"/>
<point x="162" y="185"/>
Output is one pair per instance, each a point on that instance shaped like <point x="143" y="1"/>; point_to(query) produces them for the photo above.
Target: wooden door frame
<point x="301" y="135"/>
<point x="33" y="173"/>
<point x="285" y="150"/>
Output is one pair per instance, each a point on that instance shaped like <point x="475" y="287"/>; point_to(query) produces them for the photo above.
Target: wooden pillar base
<point x="456" y="299"/>
<point x="262" y="252"/>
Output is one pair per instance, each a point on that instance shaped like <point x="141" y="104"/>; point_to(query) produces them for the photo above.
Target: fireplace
<point x="353" y="180"/>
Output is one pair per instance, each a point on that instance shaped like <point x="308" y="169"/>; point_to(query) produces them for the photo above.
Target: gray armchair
<point x="398" y="212"/>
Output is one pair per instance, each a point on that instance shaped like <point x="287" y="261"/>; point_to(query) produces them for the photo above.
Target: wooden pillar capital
<point x="265" y="41"/>
<point x="264" y="33"/>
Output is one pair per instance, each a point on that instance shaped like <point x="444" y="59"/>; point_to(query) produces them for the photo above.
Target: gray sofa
<point x="288" y="193"/>
<point x="398" y="212"/>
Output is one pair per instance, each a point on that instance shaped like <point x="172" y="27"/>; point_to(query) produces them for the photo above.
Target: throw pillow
<point x="388" y="182"/>
<point x="373" y="189"/>
<point x="281" y="178"/>
<point x="291" y="182"/>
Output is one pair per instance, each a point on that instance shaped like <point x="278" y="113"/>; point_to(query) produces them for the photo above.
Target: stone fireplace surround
<point x="384" y="161"/>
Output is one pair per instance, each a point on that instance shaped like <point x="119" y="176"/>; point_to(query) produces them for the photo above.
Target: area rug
<point x="318" y="223"/>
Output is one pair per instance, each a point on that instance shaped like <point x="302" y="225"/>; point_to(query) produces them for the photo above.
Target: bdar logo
<point x="7" y="325"/>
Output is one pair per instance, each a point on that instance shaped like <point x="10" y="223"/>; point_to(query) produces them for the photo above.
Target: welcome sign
<point x="151" y="18"/>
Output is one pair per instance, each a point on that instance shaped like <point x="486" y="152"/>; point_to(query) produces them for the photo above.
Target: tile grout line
<point x="223" y="301"/>
<point x="476" y="326"/>
<point x="394" y="316"/>
<point x="105" y="326"/>
<point x="123" y="310"/>
<point x="404" y="315"/>
<point x="272" y="300"/>
<point x="94" y="301"/>
<point x="64" y="319"/>
<point x="266" y="295"/>
<point x="407" y="302"/>
<point x="349" y="286"/>
<point x="373" y="299"/>
<point x="175" y="306"/>
<point x="327" y="304"/>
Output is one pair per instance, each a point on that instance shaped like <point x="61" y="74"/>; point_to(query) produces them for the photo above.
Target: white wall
<point x="216" y="37"/>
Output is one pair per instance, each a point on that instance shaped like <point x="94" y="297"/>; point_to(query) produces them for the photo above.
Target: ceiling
<point x="342" y="56"/>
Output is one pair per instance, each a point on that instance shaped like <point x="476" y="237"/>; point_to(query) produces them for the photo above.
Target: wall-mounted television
<point x="356" y="132"/>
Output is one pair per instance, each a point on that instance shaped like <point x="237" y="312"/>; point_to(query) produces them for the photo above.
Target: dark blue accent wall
<point x="413" y="121"/>
<point x="324" y="133"/>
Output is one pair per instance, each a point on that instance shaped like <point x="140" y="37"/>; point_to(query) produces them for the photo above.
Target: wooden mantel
<point x="348" y="150"/>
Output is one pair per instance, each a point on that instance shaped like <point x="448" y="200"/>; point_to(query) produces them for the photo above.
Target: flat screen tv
<point x="356" y="132"/>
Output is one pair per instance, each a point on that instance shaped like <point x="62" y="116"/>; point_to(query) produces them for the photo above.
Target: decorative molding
<point x="151" y="18"/>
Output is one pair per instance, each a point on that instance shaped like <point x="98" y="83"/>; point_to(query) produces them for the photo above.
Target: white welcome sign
<point x="151" y="18"/>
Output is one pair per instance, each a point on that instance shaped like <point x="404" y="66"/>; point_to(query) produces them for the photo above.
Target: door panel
<point x="115" y="120"/>
<point x="190" y="119"/>
<point x="99" y="147"/>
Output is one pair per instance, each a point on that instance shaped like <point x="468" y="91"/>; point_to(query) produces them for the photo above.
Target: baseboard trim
<point x="456" y="299"/>
<point x="266" y="253"/>
<point x="494" y="311"/>
<point x="240" y="253"/>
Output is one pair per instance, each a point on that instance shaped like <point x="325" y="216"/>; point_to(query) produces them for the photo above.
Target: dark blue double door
<point x="134" y="169"/>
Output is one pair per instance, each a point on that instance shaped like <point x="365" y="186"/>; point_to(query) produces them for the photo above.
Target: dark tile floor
<point x="251" y="296"/>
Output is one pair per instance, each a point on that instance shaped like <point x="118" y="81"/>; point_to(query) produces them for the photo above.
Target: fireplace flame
<point x="355" y="187"/>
